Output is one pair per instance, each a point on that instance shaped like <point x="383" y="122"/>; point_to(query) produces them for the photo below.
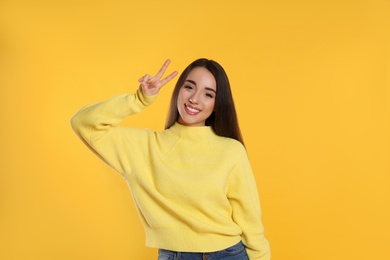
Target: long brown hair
<point x="223" y="120"/>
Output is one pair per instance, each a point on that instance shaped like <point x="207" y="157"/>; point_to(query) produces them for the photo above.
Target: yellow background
<point x="311" y="81"/>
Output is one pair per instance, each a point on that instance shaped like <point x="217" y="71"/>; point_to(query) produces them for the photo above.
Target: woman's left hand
<point x="151" y="85"/>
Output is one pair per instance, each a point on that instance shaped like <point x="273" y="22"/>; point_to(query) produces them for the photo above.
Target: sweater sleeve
<point x="244" y="199"/>
<point x="97" y="125"/>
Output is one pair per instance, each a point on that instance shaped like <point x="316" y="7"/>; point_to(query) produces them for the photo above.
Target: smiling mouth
<point x="191" y="110"/>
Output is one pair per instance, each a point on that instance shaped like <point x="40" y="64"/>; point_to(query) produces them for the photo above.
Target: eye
<point x="188" y="87"/>
<point x="209" y="95"/>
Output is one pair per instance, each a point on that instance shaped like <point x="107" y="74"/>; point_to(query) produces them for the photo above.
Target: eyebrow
<point x="207" y="88"/>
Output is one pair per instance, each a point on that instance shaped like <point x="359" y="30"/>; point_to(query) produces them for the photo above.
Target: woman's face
<point x="196" y="99"/>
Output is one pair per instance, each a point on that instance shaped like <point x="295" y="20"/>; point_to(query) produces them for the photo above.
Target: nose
<point x="193" y="99"/>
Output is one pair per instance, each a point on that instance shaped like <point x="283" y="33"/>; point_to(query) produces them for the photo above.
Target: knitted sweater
<point x="194" y="190"/>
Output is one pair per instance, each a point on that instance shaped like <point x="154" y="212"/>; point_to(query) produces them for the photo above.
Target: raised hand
<point x="151" y="85"/>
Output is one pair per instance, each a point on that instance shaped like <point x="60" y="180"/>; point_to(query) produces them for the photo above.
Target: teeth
<point x="193" y="110"/>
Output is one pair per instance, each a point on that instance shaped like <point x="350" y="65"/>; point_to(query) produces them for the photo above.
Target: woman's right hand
<point x="151" y="85"/>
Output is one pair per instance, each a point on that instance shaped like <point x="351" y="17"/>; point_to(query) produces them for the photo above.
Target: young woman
<point x="192" y="182"/>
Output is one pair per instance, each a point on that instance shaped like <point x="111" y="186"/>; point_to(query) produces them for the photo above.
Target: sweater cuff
<point x="144" y="99"/>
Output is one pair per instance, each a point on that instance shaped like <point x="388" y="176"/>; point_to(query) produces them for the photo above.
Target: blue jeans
<point x="236" y="252"/>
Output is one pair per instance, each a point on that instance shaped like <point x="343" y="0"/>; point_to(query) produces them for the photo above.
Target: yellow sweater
<point x="194" y="190"/>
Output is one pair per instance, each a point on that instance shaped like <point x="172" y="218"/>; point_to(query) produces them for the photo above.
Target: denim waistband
<point x="236" y="252"/>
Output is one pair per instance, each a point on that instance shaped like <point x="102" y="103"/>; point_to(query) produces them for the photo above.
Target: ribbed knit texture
<point x="194" y="190"/>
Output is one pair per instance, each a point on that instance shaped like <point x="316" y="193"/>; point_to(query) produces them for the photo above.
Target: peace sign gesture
<point x="151" y="85"/>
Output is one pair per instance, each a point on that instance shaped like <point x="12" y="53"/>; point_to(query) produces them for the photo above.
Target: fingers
<point x="163" y="69"/>
<point x="144" y="78"/>
<point x="168" y="78"/>
<point x="155" y="80"/>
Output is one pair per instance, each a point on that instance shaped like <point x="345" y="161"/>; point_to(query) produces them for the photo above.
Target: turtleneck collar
<point x="192" y="131"/>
